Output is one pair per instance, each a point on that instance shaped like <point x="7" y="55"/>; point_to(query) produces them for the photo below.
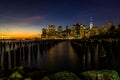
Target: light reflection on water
<point x="89" y="58"/>
<point x="73" y="58"/>
<point x="60" y="57"/>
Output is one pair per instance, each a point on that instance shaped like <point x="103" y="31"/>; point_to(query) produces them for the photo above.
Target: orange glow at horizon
<point x="19" y="30"/>
<point x="20" y="35"/>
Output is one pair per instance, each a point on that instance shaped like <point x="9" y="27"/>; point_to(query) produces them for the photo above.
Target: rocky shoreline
<point x="35" y="74"/>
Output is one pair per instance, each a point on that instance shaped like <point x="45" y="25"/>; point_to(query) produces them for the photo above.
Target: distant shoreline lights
<point x="20" y="36"/>
<point x="5" y="37"/>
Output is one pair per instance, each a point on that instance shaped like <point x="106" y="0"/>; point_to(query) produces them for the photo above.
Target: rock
<point x="20" y="68"/>
<point x="90" y="75"/>
<point x="62" y="76"/>
<point x="27" y="79"/>
<point x="110" y="75"/>
<point x="46" y="78"/>
<point x="100" y="75"/>
<point x="3" y="78"/>
<point x="16" y="75"/>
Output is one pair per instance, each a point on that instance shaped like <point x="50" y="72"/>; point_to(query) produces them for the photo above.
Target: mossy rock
<point x="46" y="78"/>
<point x="100" y="75"/>
<point x="62" y="76"/>
<point x="20" y="67"/>
<point x="110" y="75"/>
<point x="16" y="75"/>
<point x="27" y="79"/>
<point x="89" y="75"/>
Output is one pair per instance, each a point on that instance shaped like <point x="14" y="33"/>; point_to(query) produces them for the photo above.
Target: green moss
<point x="27" y="79"/>
<point x="101" y="75"/>
<point x="46" y="78"/>
<point x="62" y="76"/>
<point x="16" y="75"/>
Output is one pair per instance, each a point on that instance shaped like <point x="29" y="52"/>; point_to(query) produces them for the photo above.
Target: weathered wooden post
<point x="96" y="54"/>
<point x="38" y="53"/>
<point x="9" y="55"/>
<point x="23" y="47"/>
<point x="14" y="52"/>
<point x="2" y="55"/>
<point x="29" y="54"/>
<point x="89" y="57"/>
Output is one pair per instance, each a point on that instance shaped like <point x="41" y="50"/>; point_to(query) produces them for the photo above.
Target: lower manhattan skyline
<point x="19" y="17"/>
<point x="59" y="39"/>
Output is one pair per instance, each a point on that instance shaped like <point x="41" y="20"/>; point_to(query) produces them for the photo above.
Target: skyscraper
<point x="110" y="24"/>
<point x="91" y="22"/>
<point x="59" y="29"/>
<point x="51" y="29"/>
<point x="91" y="25"/>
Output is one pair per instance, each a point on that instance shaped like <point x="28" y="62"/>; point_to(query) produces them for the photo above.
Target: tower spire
<point x="91" y="22"/>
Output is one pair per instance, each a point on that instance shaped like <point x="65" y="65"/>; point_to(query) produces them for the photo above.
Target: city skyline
<point x="30" y="16"/>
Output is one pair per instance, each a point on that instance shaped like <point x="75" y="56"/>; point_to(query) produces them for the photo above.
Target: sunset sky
<point x="18" y="17"/>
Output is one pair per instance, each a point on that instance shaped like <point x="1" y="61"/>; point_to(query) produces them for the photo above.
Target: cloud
<point x="9" y="17"/>
<point x="32" y="19"/>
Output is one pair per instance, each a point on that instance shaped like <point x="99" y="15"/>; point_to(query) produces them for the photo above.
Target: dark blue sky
<point x="32" y="15"/>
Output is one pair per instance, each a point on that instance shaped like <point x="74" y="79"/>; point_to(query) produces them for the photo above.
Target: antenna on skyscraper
<point x="91" y="19"/>
<point x="91" y="22"/>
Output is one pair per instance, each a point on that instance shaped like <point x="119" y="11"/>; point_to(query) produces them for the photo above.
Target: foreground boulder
<point x="100" y="75"/>
<point x="16" y="75"/>
<point x="62" y="76"/>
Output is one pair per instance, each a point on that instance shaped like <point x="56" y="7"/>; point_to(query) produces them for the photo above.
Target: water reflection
<point x="96" y="54"/>
<point x="62" y="56"/>
<point x="84" y="60"/>
<point x="38" y="54"/>
<point x="2" y="60"/>
<point x="73" y="58"/>
<point x="89" y="58"/>
<point x="29" y="55"/>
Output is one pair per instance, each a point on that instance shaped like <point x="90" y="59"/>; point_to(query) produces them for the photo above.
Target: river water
<point x="63" y="57"/>
<point x="59" y="57"/>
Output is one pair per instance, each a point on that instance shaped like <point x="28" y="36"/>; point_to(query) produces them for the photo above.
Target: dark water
<point x="58" y="58"/>
<point x="64" y="56"/>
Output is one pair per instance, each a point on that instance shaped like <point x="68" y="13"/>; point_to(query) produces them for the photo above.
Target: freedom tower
<point x="91" y="22"/>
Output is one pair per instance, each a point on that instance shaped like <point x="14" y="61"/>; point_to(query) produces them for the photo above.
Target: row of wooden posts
<point x="7" y="46"/>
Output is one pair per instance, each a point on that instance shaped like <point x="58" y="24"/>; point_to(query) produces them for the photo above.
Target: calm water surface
<point x="58" y="58"/>
<point x="63" y="57"/>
